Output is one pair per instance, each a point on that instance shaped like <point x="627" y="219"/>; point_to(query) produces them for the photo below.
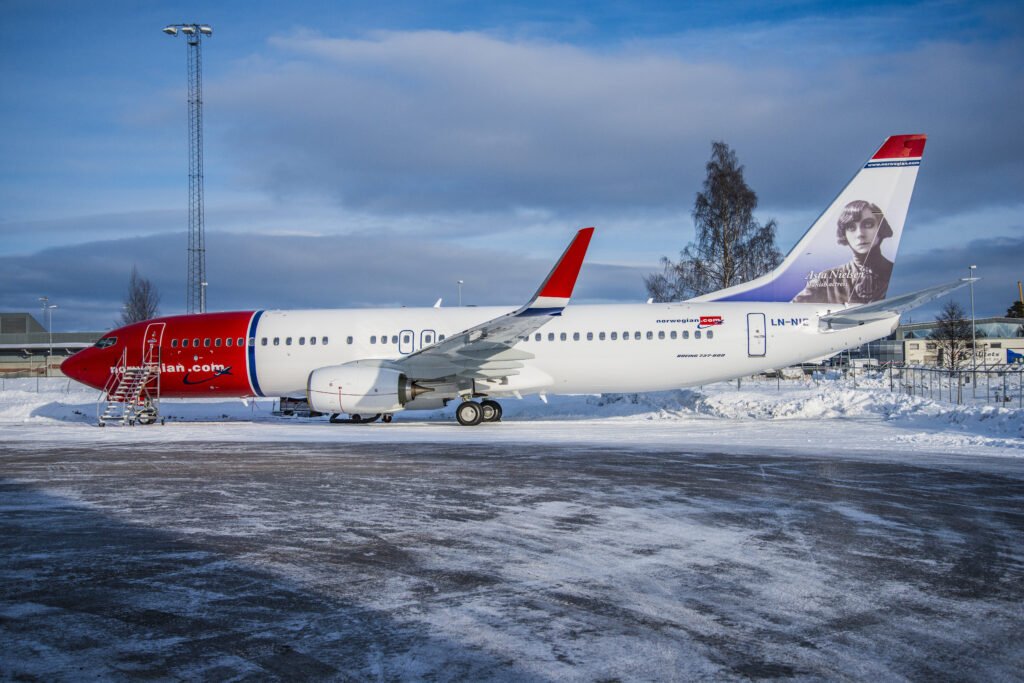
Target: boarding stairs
<point x="132" y="394"/>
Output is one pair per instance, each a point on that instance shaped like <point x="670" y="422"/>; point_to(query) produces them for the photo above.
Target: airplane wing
<point x="880" y="310"/>
<point x="485" y="350"/>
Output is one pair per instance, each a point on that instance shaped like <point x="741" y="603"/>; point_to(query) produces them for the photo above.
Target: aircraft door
<point x="151" y="341"/>
<point x="756" y="334"/>
<point x="406" y="341"/>
<point x="427" y="337"/>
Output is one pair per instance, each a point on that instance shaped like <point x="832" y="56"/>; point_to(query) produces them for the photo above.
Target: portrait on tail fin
<point x="862" y="227"/>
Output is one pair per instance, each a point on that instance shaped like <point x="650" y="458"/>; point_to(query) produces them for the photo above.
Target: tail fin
<point x="847" y="255"/>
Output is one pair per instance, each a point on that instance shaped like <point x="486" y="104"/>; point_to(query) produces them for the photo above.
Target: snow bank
<point x="921" y="419"/>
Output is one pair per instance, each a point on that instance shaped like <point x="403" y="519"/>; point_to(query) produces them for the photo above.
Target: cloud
<point x="432" y="120"/>
<point x="999" y="268"/>
<point x="245" y="272"/>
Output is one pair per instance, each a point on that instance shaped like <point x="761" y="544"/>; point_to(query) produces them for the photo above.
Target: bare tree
<point x="731" y="246"/>
<point x="142" y="300"/>
<point x="952" y="336"/>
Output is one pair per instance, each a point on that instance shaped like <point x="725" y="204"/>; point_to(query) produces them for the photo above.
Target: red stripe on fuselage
<point x="203" y="369"/>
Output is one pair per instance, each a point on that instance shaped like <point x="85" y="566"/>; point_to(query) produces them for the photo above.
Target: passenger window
<point x="174" y="343"/>
<point x="551" y="336"/>
<point x="440" y="338"/>
<point x="277" y="341"/>
<point x="600" y="336"/>
<point x="537" y="337"/>
<point x="252" y="341"/>
<point x="184" y="343"/>
<point x="394" y="339"/>
<point x="323" y="341"/>
<point x="406" y="339"/>
<point x="263" y="341"/>
<point x="428" y="339"/>
<point x="625" y="336"/>
<point x="615" y="336"/>
<point x="206" y="342"/>
<point x="696" y="335"/>
<point x="229" y="341"/>
<point x="650" y="335"/>
<point x="711" y="334"/>
<point x="373" y="339"/>
<point x="672" y="334"/>
<point x="686" y="334"/>
<point x="636" y="335"/>
<point x="661" y="334"/>
<point x="195" y="342"/>
<point x="312" y="341"/>
<point x="590" y="336"/>
<point x="288" y="341"/>
<point x="302" y="341"/>
<point x="349" y="340"/>
<point x="216" y="342"/>
<point x="575" y="336"/>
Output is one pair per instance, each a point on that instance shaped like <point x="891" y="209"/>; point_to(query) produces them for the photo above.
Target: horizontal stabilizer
<point x="887" y="308"/>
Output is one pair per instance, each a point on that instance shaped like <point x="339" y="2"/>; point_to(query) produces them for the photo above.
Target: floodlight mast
<point x="196" y="285"/>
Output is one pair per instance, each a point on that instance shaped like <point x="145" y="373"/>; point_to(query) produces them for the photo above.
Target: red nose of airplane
<point x="77" y="367"/>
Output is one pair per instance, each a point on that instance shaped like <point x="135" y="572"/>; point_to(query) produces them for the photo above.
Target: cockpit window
<point x="105" y="342"/>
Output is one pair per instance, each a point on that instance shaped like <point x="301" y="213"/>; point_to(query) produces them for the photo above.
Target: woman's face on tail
<point x="860" y="233"/>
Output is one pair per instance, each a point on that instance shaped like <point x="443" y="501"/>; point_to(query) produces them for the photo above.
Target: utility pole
<point x="195" y="300"/>
<point x="974" y="341"/>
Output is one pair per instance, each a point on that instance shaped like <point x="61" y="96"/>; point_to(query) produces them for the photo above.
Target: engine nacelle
<point x="359" y="390"/>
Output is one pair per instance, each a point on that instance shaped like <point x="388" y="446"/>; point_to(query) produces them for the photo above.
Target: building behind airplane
<point x="828" y="295"/>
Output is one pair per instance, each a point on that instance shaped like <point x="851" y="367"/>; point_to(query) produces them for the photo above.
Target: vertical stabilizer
<point x="847" y="255"/>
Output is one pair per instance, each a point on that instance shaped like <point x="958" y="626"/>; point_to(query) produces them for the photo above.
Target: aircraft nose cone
<point x="75" y="367"/>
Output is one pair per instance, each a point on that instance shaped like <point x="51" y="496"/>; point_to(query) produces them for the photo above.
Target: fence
<point x="999" y="384"/>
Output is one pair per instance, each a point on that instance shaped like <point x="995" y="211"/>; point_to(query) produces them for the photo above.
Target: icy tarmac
<point x="506" y="561"/>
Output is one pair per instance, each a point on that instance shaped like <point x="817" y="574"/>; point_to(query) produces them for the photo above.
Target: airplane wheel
<point x="387" y="418"/>
<point x="492" y="410"/>
<point x="147" y="416"/>
<point x="469" y="414"/>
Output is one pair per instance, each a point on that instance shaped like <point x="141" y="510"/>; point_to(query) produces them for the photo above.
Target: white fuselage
<point x="655" y="346"/>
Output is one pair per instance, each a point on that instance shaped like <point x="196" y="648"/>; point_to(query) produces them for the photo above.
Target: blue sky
<point x="367" y="153"/>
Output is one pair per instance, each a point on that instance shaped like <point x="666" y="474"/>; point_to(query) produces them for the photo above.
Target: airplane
<point x="827" y="295"/>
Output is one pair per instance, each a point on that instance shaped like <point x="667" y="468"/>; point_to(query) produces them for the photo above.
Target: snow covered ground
<point x="813" y="531"/>
<point x="798" y="416"/>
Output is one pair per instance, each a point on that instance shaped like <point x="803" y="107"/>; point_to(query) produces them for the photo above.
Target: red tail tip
<point x="902" y="147"/>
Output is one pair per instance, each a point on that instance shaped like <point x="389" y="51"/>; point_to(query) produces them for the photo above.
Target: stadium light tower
<point x="196" y="289"/>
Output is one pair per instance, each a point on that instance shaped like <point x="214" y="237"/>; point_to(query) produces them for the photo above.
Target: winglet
<point x="556" y="290"/>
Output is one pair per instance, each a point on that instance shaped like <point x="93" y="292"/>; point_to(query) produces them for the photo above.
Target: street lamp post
<point x="47" y="311"/>
<point x="974" y="339"/>
<point x="460" y="293"/>
<point x="49" y="326"/>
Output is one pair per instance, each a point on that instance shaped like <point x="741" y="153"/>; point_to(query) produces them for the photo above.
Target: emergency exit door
<point x="756" y="335"/>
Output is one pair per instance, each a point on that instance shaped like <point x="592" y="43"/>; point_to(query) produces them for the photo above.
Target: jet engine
<point x="359" y="390"/>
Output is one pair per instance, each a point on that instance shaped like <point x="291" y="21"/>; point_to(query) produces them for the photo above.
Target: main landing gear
<point x="471" y="413"/>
